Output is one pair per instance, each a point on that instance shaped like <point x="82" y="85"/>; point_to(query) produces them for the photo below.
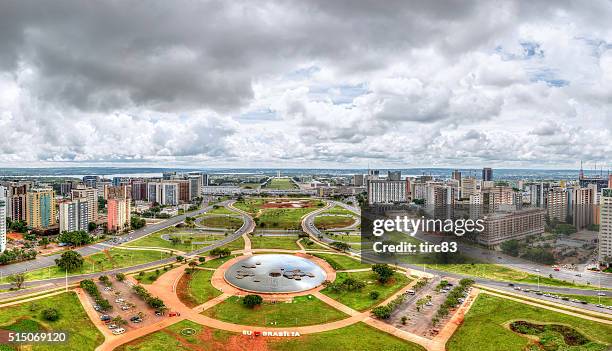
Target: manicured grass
<point x="237" y="244"/>
<point x="281" y="184"/>
<point x="220" y="210"/>
<point x="304" y="310"/>
<point x="155" y="240"/>
<point x="346" y="238"/>
<point x="27" y="317"/>
<point x="215" y="263"/>
<point x="102" y="261"/>
<point x="274" y="242"/>
<point x="360" y="300"/>
<point x="249" y="205"/>
<point x="339" y="210"/>
<point x="356" y="337"/>
<point x="483" y="327"/>
<point x="334" y="221"/>
<point x="226" y="222"/>
<point x="196" y="288"/>
<point x="282" y="218"/>
<point x="171" y="339"/>
<point x="341" y="262"/>
<point x="149" y="277"/>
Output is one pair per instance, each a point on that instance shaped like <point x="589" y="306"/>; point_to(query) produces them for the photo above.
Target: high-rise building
<point x="118" y="214"/>
<point x="91" y="181"/>
<point x="102" y="185"/>
<point x="183" y="190"/>
<point x="556" y="203"/>
<point x="170" y="194"/>
<point x="91" y="196"/>
<point x="487" y="174"/>
<point x="537" y="195"/>
<point x="605" y="226"/>
<point x="610" y="181"/>
<point x="154" y="192"/>
<point x="74" y="215"/>
<point x="139" y="190"/>
<point x="508" y="225"/>
<point x="358" y="180"/>
<point x="40" y="205"/>
<point x="3" y="211"/>
<point x="394" y="175"/>
<point x="581" y="202"/>
<point x="456" y="175"/>
<point x="17" y="201"/>
<point x="388" y="191"/>
<point x="468" y="187"/>
<point x="195" y="186"/>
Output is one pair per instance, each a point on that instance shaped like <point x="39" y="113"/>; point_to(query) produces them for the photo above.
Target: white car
<point x="118" y="331"/>
<point x="112" y="326"/>
<point x="601" y="294"/>
<point x="119" y="300"/>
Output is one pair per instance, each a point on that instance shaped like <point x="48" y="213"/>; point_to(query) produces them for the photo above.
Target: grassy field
<point x="219" y="210"/>
<point x="195" y="288"/>
<point x="360" y="300"/>
<point x="341" y="262"/>
<point x="305" y="310"/>
<point x="148" y="277"/>
<point x="345" y="238"/>
<point x="484" y="326"/>
<point x="275" y="242"/>
<point x="27" y="317"/>
<point x="226" y="222"/>
<point x="331" y="222"/>
<point x="102" y="261"/>
<point x="339" y="210"/>
<point x="155" y="239"/>
<point x="237" y="244"/>
<point x="282" y="218"/>
<point x="281" y="184"/>
<point x="171" y="339"/>
<point x="215" y="263"/>
<point x="250" y="205"/>
<point x="356" y="337"/>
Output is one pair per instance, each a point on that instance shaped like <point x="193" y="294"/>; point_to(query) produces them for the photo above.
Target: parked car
<point x="105" y="317"/>
<point x="174" y="314"/>
<point x="118" y="331"/>
<point x="112" y="326"/>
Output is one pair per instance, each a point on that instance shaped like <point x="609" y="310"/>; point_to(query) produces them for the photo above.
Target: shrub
<point x="252" y="300"/>
<point x="51" y="314"/>
<point x="374" y="295"/>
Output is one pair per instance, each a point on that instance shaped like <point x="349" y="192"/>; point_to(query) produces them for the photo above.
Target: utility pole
<point x="66" y="279"/>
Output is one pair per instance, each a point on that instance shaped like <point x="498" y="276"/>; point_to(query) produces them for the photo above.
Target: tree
<point x="382" y="312"/>
<point x="92" y="226"/>
<point x="76" y="238"/>
<point x="374" y="295"/>
<point x="221" y="252"/>
<point x="137" y="223"/>
<point x="70" y="261"/>
<point x="50" y="314"/>
<point x="156" y="303"/>
<point x="342" y="246"/>
<point x="251" y="301"/>
<point x="179" y="258"/>
<point x="202" y="259"/>
<point x="510" y="247"/>
<point x="119" y="321"/>
<point x="44" y="242"/>
<point x="17" y="279"/>
<point x="383" y="271"/>
<point x="120" y="277"/>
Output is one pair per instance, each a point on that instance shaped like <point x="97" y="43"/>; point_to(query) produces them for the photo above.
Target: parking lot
<point x="126" y="304"/>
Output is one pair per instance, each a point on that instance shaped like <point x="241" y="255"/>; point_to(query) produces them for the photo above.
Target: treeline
<point x="92" y="289"/>
<point x="16" y="255"/>
<point x="154" y="302"/>
<point x="452" y="299"/>
<point x="76" y="238"/>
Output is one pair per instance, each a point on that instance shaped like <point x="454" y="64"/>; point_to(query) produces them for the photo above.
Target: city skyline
<point x="314" y="84"/>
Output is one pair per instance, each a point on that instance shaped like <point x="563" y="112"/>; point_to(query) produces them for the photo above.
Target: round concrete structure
<point x="275" y="273"/>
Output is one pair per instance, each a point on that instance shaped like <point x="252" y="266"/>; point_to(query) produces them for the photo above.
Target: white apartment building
<point x="74" y="215"/>
<point x="605" y="226"/>
<point x="170" y="194"/>
<point x="387" y="191"/>
<point x="3" y="211"/>
<point x="91" y="196"/>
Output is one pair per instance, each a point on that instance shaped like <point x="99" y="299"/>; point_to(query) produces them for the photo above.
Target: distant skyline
<point x="306" y="84"/>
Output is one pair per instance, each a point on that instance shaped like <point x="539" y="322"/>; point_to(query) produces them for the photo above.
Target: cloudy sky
<point x="306" y="83"/>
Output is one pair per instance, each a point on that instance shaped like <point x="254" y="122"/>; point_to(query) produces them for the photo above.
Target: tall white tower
<point x="605" y="226"/>
<point x="3" y="209"/>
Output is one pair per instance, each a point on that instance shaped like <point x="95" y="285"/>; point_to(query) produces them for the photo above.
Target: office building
<point x="74" y="215"/>
<point x="91" y="196"/>
<point x="388" y="191"/>
<point x="605" y="226"/>
<point x="508" y="225"/>
<point x="40" y="208"/>
<point x="487" y="174"/>
<point x="3" y="213"/>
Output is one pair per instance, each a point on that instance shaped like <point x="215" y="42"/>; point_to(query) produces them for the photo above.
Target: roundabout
<point x="275" y="273"/>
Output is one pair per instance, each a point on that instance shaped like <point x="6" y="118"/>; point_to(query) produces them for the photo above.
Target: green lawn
<point x="148" y="277"/>
<point x="155" y="239"/>
<point x="171" y="339"/>
<point x="101" y="261"/>
<point x="27" y="317"/>
<point x="237" y="244"/>
<point x="275" y="242"/>
<point x="483" y="328"/>
<point x="346" y="238"/>
<point x="304" y="310"/>
<point x="356" y="337"/>
<point x="330" y="222"/>
<point x="282" y="218"/>
<point x="251" y="205"/>
<point x="342" y="262"/>
<point x="226" y="222"/>
<point x="215" y="263"/>
<point x="281" y="184"/>
<point x="339" y="210"/>
<point x="220" y="210"/>
<point x="198" y="288"/>
<point x="360" y="300"/>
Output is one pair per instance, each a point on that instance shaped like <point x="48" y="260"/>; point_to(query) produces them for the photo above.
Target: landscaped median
<point x="194" y="287"/>
<point x="487" y="327"/>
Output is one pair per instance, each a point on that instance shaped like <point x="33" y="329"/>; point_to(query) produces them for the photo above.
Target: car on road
<point x="118" y="331"/>
<point x="174" y="314"/>
<point x="601" y="294"/>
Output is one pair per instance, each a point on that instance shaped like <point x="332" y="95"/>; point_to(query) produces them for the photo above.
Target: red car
<point x="174" y="314"/>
